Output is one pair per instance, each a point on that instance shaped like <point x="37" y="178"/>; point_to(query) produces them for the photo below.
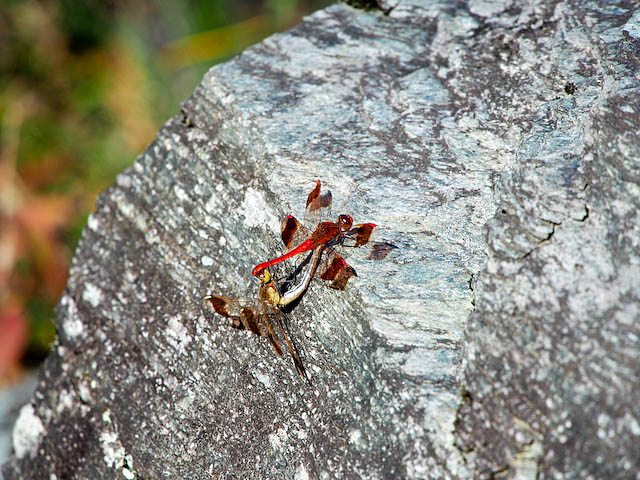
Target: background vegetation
<point x="84" y="86"/>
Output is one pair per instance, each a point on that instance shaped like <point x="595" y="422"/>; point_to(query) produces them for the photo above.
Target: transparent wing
<point x="293" y="233"/>
<point x="318" y="207"/>
<point x="254" y="315"/>
<point x="257" y="316"/>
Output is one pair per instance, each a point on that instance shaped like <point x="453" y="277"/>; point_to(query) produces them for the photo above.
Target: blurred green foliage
<point x="84" y="86"/>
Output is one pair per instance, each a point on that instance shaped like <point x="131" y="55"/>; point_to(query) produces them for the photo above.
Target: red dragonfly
<point x="298" y="239"/>
<point x="257" y="315"/>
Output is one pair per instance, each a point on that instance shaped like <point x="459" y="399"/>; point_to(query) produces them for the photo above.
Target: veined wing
<point x="296" y="238"/>
<point x="293" y="233"/>
<point x="255" y="315"/>
<point x="360" y="235"/>
<point x="331" y="267"/>
<point x="318" y="207"/>
<point x="336" y="270"/>
<point x="250" y="314"/>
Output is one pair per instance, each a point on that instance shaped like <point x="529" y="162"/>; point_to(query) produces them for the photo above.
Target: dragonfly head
<point x="345" y="222"/>
<point x="264" y="275"/>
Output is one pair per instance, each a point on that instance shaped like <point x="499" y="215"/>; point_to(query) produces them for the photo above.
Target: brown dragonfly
<point x="258" y="315"/>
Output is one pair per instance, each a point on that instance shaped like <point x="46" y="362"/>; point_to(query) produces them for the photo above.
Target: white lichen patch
<point x="106" y="416"/>
<point x="92" y="294"/>
<point x="84" y="392"/>
<point x="113" y="451"/>
<point x="73" y="327"/>
<point x="72" y="324"/>
<point x="632" y="424"/>
<point x="206" y="261"/>
<point x="141" y="223"/>
<point x="355" y="437"/>
<point x="65" y="401"/>
<point x="233" y="241"/>
<point x="123" y="180"/>
<point x="180" y="193"/>
<point x="127" y="209"/>
<point x="177" y="335"/>
<point x="195" y="134"/>
<point x="275" y="442"/>
<point x="92" y="222"/>
<point x="278" y="439"/>
<point x="257" y="212"/>
<point x="186" y="402"/>
<point x="301" y="473"/>
<point x="264" y="379"/>
<point x="213" y="204"/>
<point x="306" y="419"/>
<point x="27" y="432"/>
<point x="151" y="236"/>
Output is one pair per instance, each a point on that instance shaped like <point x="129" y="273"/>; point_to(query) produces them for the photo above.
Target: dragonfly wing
<point x="269" y="331"/>
<point x="227" y="307"/>
<point x="318" y="206"/>
<point x="336" y="270"/>
<point x="358" y="235"/>
<point x="293" y="233"/>
<point x="250" y="314"/>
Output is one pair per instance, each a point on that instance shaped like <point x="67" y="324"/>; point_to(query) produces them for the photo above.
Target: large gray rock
<point x="440" y="122"/>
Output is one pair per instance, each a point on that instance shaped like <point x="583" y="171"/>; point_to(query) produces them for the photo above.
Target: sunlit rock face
<point x="495" y="145"/>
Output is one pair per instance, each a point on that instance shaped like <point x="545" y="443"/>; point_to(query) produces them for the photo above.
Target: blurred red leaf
<point x="13" y="339"/>
<point x="43" y="219"/>
<point x="44" y="215"/>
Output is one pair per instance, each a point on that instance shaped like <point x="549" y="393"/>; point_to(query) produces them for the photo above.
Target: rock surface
<point x="495" y="144"/>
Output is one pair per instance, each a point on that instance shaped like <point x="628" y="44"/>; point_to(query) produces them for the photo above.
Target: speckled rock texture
<point x="495" y="143"/>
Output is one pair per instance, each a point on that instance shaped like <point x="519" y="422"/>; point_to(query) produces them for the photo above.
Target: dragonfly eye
<point x="345" y="222"/>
